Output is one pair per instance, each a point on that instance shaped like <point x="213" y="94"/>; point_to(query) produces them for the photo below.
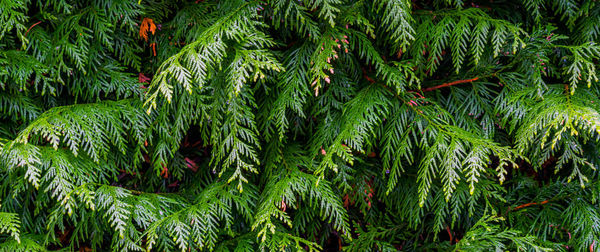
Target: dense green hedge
<point x="373" y="125"/>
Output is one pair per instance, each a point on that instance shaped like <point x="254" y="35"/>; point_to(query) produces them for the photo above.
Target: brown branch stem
<point x="31" y="27"/>
<point x="530" y="204"/>
<point x="448" y="84"/>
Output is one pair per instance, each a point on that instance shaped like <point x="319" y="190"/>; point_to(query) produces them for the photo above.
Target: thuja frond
<point x="13" y="17"/>
<point x="582" y="66"/>
<point x="373" y="239"/>
<point x="195" y="62"/>
<point x="485" y="234"/>
<point x="560" y="123"/>
<point x="10" y="224"/>
<point x="293" y="92"/>
<point x="449" y="150"/>
<point x="398" y="20"/>
<point x="26" y="243"/>
<point x="292" y="188"/>
<point x="18" y="107"/>
<point x="328" y="9"/>
<point x="18" y="67"/>
<point x="295" y="15"/>
<point x="197" y="225"/>
<point x="459" y="29"/>
<point x="361" y="115"/>
<point x="67" y="125"/>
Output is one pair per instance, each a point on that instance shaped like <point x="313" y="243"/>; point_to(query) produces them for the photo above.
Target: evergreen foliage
<point x="284" y="125"/>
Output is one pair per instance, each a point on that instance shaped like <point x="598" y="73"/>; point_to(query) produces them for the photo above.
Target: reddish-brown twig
<point x="530" y="204"/>
<point x="31" y="27"/>
<point x="449" y="84"/>
<point x="449" y="233"/>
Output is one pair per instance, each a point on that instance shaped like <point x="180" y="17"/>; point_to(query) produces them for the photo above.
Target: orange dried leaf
<point x="147" y="26"/>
